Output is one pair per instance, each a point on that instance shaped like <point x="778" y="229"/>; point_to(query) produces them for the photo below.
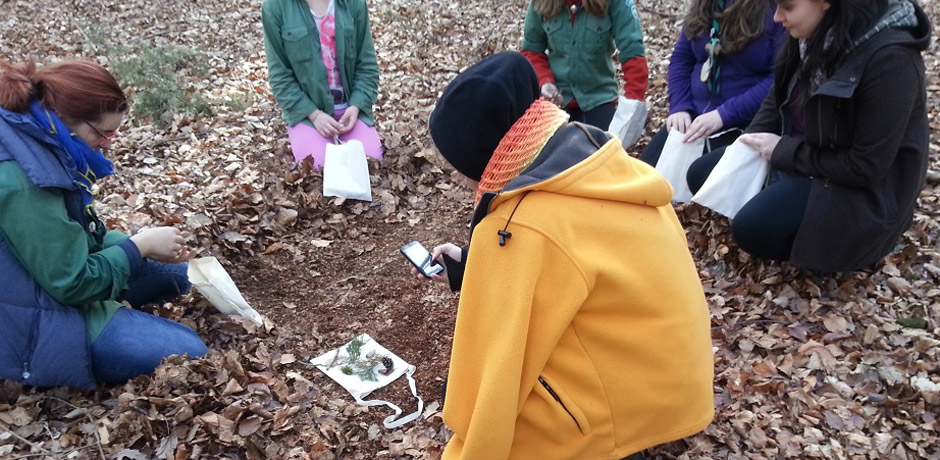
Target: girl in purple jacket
<point x="720" y="71"/>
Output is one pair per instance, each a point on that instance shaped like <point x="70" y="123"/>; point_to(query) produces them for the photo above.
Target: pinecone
<point x="387" y="362"/>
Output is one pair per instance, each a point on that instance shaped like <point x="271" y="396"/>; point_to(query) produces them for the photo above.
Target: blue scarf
<point x="90" y="164"/>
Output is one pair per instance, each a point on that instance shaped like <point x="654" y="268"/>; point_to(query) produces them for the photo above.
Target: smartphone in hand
<point x="421" y="259"/>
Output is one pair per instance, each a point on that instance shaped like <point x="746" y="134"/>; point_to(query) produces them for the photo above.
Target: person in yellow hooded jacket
<point x="582" y="330"/>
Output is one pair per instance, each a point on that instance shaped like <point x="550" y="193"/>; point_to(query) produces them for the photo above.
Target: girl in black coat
<point x="845" y="129"/>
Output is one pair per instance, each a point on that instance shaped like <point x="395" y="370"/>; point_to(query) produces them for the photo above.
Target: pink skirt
<point x="306" y="141"/>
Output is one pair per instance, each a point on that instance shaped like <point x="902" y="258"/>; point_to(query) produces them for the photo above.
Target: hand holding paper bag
<point x="764" y="143"/>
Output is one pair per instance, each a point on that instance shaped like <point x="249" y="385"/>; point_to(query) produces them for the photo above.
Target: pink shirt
<point x="326" y="26"/>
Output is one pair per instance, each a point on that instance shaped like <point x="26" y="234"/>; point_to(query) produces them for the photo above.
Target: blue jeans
<point x="157" y="282"/>
<point x="133" y="343"/>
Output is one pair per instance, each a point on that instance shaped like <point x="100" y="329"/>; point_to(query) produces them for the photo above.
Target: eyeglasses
<point x="104" y="135"/>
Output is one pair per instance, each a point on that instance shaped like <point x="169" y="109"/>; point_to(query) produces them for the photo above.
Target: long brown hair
<point x="740" y="23"/>
<point x="79" y="90"/>
<point x="549" y="8"/>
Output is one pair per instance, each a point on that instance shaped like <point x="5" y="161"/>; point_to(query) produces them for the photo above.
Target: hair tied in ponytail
<point x="17" y="86"/>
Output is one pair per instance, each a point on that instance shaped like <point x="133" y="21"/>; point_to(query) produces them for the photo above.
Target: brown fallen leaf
<point x="248" y="426"/>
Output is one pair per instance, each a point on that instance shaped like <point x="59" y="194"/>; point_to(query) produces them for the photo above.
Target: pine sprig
<point x="356" y="364"/>
<point x="354" y="349"/>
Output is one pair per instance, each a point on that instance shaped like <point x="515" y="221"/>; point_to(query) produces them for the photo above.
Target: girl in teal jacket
<point x="570" y="44"/>
<point x="323" y="73"/>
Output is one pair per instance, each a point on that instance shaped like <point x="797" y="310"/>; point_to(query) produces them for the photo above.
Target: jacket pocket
<point x="557" y="36"/>
<point x="297" y="44"/>
<point x="597" y="33"/>
<point x="351" y="47"/>
<point x="561" y="399"/>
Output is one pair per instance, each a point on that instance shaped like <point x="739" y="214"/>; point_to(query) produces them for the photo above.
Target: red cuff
<point x="636" y="76"/>
<point x="542" y="69"/>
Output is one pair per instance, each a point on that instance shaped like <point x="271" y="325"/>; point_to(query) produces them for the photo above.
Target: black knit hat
<point x="478" y="108"/>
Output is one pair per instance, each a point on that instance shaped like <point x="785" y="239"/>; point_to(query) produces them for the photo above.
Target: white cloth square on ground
<point x="335" y="364"/>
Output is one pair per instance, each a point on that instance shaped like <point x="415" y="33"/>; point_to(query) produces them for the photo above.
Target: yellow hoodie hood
<point x="583" y="161"/>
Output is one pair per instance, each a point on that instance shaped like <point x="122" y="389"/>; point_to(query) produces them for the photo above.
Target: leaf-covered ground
<point x="807" y="365"/>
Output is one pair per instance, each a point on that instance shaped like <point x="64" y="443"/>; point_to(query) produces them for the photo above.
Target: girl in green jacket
<point x="323" y="73"/>
<point x="570" y="44"/>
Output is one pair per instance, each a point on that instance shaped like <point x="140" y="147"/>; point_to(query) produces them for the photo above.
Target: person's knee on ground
<point x="601" y="115"/>
<point x="752" y="235"/>
<point x="134" y="343"/>
<point x="177" y="278"/>
<point x="157" y="282"/>
<point x="767" y="225"/>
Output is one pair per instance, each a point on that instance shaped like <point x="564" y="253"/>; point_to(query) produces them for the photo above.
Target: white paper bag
<point x="345" y="171"/>
<point x="739" y="175"/>
<point x="674" y="163"/>
<point x="628" y="121"/>
<point x="350" y="373"/>
<point x="212" y="281"/>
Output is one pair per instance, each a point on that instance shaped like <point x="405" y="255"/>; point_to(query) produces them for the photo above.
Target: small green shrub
<point x="155" y="77"/>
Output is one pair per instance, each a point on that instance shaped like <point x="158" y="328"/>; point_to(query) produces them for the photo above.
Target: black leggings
<point x="701" y="168"/>
<point x="767" y="225"/>
<point x="599" y="116"/>
<point x="654" y="149"/>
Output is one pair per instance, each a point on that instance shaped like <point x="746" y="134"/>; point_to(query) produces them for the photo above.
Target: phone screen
<point x="421" y="258"/>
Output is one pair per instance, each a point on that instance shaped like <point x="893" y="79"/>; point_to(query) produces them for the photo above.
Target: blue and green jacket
<point x="60" y="268"/>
